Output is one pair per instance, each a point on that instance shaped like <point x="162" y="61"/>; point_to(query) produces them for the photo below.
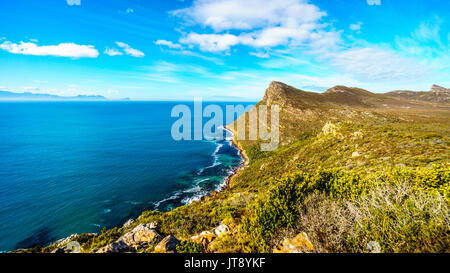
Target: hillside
<point x="355" y="172"/>
<point x="436" y="94"/>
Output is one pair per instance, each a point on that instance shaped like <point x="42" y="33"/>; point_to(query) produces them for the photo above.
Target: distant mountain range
<point x="436" y="94"/>
<point x="6" y="95"/>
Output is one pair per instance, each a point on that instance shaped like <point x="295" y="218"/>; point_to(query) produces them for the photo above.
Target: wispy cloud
<point x="169" y="44"/>
<point x="61" y="50"/>
<point x="130" y="51"/>
<point x="112" y="52"/>
<point x="74" y="2"/>
<point x="129" y="10"/>
<point x="373" y="2"/>
<point x="356" y="27"/>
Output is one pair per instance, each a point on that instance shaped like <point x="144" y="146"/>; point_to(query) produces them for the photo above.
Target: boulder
<point x="142" y="236"/>
<point x="221" y="230"/>
<point x="298" y="244"/>
<point x="204" y="238"/>
<point x="153" y="225"/>
<point x="116" y="247"/>
<point x="168" y="244"/>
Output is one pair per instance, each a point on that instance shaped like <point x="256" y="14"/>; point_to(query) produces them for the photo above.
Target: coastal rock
<point x="153" y="225"/>
<point x="59" y="250"/>
<point x="64" y="241"/>
<point x="221" y="230"/>
<point x="168" y="244"/>
<point x="204" y="237"/>
<point x="142" y="236"/>
<point x="298" y="244"/>
<point x="116" y="247"/>
<point x="128" y="223"/>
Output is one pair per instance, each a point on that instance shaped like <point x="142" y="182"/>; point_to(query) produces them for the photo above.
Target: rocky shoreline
<point x="244" y="163"/>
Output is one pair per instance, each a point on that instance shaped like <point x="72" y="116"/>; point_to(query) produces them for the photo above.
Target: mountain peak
<point x="439" y="89"/>
<point x="278" y="91"/>
<point x="340" y="89"/>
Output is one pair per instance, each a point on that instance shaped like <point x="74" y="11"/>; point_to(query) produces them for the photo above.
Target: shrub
<point x="190" y="247"/>
<point x="398" y="219"/>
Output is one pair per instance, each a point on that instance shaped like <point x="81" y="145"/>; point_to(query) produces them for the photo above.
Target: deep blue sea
<point x="73" y="167"/>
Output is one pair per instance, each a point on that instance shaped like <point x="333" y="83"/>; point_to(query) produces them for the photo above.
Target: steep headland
<point x="355" y="172"/>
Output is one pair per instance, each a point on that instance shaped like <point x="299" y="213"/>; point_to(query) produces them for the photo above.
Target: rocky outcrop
<point x="204" y="238"/>
<point x="439" y="89"/>
<point x="221" y="230"/>
<point x="142" y="236"/>
<point x="168" y="244"/>
<point x="298" y="244"/>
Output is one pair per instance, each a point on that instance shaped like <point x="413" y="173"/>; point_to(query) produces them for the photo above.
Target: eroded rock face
<point x="142" y="236"/>
<point x="298" y="244"/>
<point x="168" y="244"/>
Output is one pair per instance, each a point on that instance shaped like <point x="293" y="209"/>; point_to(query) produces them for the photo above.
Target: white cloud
<point x="244" y="15"/>
<point x="169" y="44"/>
<point x="61" y="50"/>
<point x="74" y="2"/>
<point x="260" y="54"/>
<point x="112" y="52"/>
<point x="211" y="42"/>
<point x="376" y="64"/>
<point x="356" y="27"/>
<point x="263" y="24"/>
<point x="31" y="88"/>
<point x="129" y="10"/>
<point x="373" y="2"/>
<point x="425" y="42"/>
<point x="130" y="51"/>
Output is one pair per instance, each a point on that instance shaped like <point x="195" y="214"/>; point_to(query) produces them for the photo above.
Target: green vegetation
<point x="350" y="171"/>
<point x="403" y="210"/>
<point x="190" y="247"/>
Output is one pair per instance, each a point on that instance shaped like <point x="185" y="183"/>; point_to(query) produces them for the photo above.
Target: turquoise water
<point x="72" y="167"/>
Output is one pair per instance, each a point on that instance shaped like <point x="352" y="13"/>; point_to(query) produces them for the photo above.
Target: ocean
<point x="73" y="167"/>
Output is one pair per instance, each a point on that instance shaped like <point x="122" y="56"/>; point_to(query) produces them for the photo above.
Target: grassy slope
<point x="352" y="138"/>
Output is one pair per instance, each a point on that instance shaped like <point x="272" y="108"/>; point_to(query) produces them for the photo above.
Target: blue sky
<point x="221" y="49"/>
